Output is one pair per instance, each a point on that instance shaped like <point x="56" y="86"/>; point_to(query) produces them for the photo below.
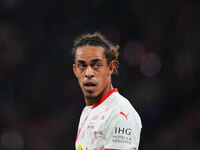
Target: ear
<point x="74" y="69"/>
<point x="111" y="67"/>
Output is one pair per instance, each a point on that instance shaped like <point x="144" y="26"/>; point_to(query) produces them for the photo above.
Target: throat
<point x="91" y="100"/>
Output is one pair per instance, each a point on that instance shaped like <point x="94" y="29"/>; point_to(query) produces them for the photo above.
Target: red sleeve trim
<point x="105" y="97"/>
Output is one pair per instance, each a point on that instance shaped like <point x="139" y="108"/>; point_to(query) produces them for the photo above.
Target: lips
<point x="89" y="86"/>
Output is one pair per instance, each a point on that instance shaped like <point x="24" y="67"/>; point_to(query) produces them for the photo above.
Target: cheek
<point x="79" y="77"/>
<point x="104" y="77"/>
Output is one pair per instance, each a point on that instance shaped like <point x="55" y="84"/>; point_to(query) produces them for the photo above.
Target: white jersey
<point x="111" y="124"/>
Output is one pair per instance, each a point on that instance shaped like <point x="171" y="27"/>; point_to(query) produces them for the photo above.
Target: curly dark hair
<point x="97" y="39"/>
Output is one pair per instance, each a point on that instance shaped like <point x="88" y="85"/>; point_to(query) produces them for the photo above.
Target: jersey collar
<point x="104" y="97"/>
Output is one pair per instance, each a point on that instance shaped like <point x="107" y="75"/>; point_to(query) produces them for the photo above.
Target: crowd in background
<point x="40" y="99"/>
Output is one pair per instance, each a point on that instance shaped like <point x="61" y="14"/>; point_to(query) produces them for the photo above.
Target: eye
<point x="97" y="65"/>
<point x="81" y="66"/>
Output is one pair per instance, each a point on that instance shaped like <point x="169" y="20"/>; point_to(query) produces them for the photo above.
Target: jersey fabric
<point x="111" y="124"/>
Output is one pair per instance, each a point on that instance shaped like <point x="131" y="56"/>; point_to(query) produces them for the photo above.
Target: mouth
<point x="89" y="86"/>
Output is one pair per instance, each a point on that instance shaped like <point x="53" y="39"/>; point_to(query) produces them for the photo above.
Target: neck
<point x="93" y="100"/>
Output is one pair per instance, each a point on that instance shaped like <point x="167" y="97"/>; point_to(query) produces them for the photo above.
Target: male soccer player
<point x="109" y="121"/>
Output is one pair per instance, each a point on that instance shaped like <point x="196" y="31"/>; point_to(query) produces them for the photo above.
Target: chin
<point x="91" y="95"/>
<point x="92" y="98"/>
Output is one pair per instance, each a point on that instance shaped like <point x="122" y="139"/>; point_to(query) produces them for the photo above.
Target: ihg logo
<point x="122" y="130"/>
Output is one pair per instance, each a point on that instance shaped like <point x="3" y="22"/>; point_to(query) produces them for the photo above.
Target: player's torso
<point x="91" y="134"/>
<point x="113" y="124"/>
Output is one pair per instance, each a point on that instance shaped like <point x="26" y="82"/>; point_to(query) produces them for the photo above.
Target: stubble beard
<point x="93" y="99"/>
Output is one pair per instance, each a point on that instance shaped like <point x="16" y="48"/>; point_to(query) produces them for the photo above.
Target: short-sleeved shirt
<point x="111" y="124"/>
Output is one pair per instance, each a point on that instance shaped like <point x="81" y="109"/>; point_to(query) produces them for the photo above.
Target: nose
<point x="89" y="72"/>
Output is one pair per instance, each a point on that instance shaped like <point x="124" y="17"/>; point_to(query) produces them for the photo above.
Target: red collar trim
<point x="104" y="97"/>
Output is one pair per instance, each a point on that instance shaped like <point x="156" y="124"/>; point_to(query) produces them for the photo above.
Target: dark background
<point x="40" y="99"/>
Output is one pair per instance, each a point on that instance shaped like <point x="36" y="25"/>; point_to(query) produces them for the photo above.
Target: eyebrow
<point x="93" y="61"/>
<point x="80" y="61"/>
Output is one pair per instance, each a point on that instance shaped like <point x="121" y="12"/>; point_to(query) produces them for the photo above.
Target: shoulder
<point x="125" y="107"/>
<point x="123" y="127"/>
<point x="122" y="110"/>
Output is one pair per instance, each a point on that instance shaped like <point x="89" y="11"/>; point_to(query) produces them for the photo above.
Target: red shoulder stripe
<point x="105" y="97"/>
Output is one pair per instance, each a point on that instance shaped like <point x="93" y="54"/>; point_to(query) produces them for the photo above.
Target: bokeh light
<point x="150" y="64"/>
<point x="12" y="141"/>
<point x="133" y="52"/>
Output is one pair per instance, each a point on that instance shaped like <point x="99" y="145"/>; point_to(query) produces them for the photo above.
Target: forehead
<point x="87" y="53"/>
